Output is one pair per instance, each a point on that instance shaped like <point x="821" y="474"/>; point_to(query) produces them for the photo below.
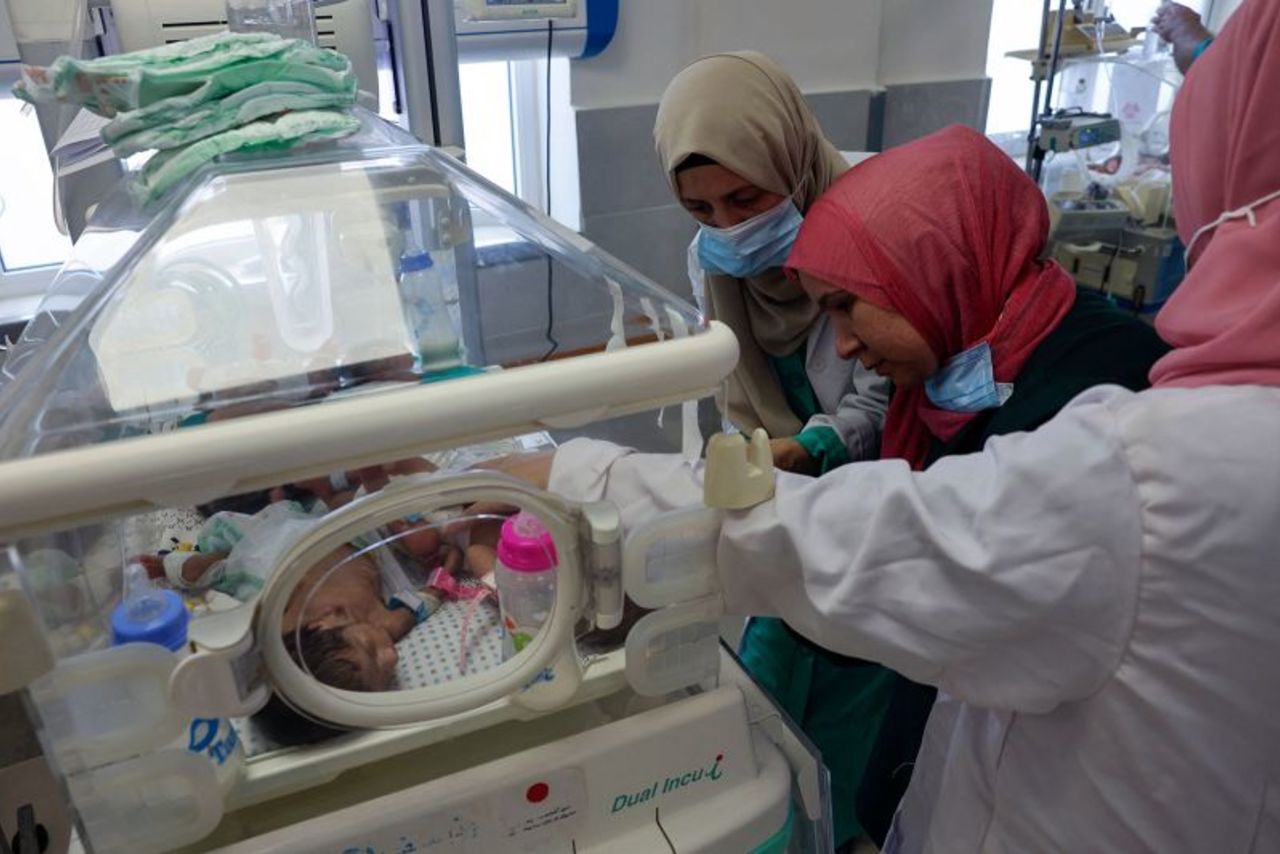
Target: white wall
<point x="566" y="197"/>
<point x="653" y="40"/>
<point x="825" y="44"/>
<point x="925" y="40"/>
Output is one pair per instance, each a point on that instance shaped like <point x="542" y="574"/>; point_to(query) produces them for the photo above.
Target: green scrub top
<point x="837" y="702"/>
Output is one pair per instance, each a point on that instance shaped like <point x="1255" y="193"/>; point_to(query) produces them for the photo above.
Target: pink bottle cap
<point x="526" y="545"/>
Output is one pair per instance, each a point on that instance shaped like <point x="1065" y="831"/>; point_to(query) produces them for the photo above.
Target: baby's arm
<point x="420" y="539"/>
<point x="482" y="553"/>
<point x="185" y="570"/>
<point x="481" y="559"/>
<point x="197" y="566"/>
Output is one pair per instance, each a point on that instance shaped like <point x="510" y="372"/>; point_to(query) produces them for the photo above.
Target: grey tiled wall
<point x="653" y="240"/>
<point x="514" y="311"/>
<point x="845" y="118"/>
<point x="914" y="109"/>
<point x="617" y="167"/>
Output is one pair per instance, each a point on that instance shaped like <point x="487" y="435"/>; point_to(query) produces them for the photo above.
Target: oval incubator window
<point x="432" y="597"/>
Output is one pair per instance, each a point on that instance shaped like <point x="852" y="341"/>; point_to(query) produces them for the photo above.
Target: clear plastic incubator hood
<point x="256" y="592"/>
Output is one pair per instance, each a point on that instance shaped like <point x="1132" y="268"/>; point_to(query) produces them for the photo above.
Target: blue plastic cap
<point x="157" y="617"/>
<point x="415" y="262"/>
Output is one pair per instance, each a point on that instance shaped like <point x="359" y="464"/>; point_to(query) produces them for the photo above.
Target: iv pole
<point x="1035" y="157"/>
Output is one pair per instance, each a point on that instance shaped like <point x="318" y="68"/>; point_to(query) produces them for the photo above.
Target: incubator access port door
<point x="404" y="606"/>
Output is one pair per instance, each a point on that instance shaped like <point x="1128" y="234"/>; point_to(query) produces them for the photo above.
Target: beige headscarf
<point x="745" y="113"/>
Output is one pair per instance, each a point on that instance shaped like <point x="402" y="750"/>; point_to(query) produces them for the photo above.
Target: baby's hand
<point x="195" y="566"/>
<point x="481" y="559"/>
<point x="421" y="540"/>
<point x="153" y="564"/>
<point x="451" y="560"/>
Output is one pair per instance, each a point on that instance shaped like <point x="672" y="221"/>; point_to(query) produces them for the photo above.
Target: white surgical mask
<point x="967" y="383"/>
<point x="1243" y="212"/>
<point x="753" y="246"/>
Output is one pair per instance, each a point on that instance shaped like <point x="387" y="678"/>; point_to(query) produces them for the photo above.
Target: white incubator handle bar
<point x="61" y="489"/>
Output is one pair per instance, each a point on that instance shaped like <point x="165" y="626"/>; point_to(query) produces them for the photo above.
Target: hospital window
<point x="488" y="120"/>
<point x="31" y="248"/>
<point x="504" y="114"/>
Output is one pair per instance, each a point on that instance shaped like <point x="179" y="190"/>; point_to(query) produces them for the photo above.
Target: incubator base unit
<point x="225" y="397"/>
<point x="625" y="774"/>
<point x="1140" y="271"/>
<point x="1076" y="217"/>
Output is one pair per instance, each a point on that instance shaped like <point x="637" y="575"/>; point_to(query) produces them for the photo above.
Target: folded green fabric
<point x="115" y="84"/>
<point x="288" y="131"/>
<point x="179" y="121"/>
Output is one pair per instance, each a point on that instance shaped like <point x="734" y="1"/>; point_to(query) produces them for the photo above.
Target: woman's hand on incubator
<point x="790" y="455"/>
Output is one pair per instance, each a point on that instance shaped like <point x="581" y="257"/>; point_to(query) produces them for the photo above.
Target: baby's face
<point x="373" y="652"/>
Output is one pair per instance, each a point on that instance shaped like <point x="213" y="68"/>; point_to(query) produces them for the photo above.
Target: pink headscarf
<point x="947" y="232"/>
<point x="1225" y="318"/>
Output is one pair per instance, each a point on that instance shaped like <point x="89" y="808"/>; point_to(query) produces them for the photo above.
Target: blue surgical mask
<point x="967" y="383"/>
<point x="751" y="247"/>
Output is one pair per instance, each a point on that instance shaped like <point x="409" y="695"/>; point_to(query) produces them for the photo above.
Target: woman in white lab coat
<point x="1097" y="599"/>
<point x="745" y="156"/>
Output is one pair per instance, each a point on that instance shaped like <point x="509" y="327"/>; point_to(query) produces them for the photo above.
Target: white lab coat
<point x="1098" y="600"/>
<point x="853" y="400"/>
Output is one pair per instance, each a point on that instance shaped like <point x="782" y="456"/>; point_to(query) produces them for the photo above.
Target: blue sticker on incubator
<point x="203" y="732"/>
<point x="203" y="738"/>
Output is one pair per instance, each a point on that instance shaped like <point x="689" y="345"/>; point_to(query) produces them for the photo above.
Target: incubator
<point x="227" y="395"/>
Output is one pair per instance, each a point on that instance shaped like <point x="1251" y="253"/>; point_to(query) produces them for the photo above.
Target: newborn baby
<point x="342" y="626"/>
<point x="352" y="621"/>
